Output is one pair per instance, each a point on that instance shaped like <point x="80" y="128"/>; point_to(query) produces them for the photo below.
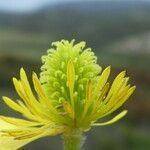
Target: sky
<point x="26" y="5"/>
<point x="31" y="5"/>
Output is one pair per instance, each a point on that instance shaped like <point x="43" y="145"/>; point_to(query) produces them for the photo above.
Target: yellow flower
<point x="69" y="96"/>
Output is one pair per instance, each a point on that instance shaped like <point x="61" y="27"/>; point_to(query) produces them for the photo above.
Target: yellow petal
<point x="68" y="109"/>
<point x="117" y="82"/>
<point x="8" y="143"/>
<point x="24" y="90"/>
<point x="115" y="106"/>
<point x="18" y="137"/>
<point x="102" y="80"/>
<point x="28" y="114"/>
<point x="12" y="104"/>
<point x="20" y="107"/>
<point x="71" y="79"/>
<point x="42" y="97"/>
<point x="100" y="98"/>
<point x="18" y="87"/>
<point x="37" y="86"/>
<point x="19" y="122"/>
<point x="89" y="92"/>
<point x="116" y="118"/>
<point x="116" y="85"/>
<point x="88" y="99"/>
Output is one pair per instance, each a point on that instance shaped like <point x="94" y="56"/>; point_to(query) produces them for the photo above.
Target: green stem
<point x="73" y="140"/>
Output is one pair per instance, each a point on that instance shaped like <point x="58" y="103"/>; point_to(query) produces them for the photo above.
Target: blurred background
<point x="117" y="31"/>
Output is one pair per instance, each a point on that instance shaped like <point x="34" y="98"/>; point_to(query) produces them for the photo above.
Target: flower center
<point x="54" y="70"/>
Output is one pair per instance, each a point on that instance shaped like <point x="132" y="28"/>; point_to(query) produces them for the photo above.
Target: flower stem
<point x="73" y="140"/>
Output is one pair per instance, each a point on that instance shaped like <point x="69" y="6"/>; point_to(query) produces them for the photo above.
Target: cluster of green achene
<point x="54" y="70"/>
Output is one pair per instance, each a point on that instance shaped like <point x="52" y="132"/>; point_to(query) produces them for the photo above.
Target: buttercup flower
<point x="69" y="98"/>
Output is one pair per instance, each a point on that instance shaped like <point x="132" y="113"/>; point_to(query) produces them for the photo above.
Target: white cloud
<point x="23" y="5"/>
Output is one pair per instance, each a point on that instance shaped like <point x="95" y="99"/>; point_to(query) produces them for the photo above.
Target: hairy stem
<point x="73" y="140"/>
